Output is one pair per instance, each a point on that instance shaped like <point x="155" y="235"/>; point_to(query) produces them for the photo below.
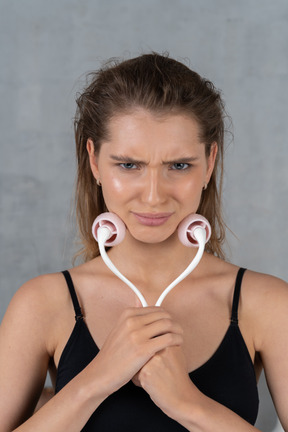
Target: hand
<point x="165" y="378"/>
<point x="139" y="334"/>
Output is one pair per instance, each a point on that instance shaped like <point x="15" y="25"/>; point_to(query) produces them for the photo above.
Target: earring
<point x="205" y="186"/>
<point x="98" y="182"/>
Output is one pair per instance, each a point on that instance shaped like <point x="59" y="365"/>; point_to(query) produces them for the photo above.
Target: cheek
<point x="115" y="185"/>
<point x="190" y="190"/>
<point x="112" y="181"/>
<point x="114" y="189"/>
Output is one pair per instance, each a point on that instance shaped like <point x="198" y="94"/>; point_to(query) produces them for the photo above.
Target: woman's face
<point x="152" y="171"/>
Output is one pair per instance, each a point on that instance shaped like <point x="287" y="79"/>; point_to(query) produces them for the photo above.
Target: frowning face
<point x="152" y="171"/>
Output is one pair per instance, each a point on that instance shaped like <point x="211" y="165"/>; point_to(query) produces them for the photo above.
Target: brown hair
<point x="161" y="85"/>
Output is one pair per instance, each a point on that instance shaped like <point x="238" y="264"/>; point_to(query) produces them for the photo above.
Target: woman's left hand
<point x="165" y="378"/>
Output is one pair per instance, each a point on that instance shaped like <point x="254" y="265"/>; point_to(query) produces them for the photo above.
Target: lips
<point x="152" y="219"/>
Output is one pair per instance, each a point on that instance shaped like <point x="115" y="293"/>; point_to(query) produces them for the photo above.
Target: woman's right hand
<point x="138" y="335"/>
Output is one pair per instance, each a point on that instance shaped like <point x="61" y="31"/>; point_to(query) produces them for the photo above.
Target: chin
<point x="154" y="237"/>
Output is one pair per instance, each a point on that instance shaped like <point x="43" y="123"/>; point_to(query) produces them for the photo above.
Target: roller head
<point x="187" y="227"/>
<point x="114" y="224"/>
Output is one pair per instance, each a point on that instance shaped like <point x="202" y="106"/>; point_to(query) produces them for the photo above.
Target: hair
<point x="161" y="85"/>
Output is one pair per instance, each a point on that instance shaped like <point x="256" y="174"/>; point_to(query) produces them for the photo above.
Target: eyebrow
<point x="122" y="158"/>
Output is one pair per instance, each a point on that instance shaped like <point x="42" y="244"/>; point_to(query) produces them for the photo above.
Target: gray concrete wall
<point x="46" y="46"/>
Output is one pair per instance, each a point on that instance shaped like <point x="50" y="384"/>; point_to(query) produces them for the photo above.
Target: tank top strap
<point x="76" y="305"/>
<point x="236" y="297"/>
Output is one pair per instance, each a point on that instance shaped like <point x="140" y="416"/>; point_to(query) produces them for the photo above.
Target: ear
<point x="211" y="161"/>
<point x="92" y="158"/>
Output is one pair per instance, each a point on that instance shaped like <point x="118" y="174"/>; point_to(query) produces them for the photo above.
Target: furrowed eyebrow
<point x="127" y="159"/>
<point x="174" y="161"/>
<point x="182" y="160"/>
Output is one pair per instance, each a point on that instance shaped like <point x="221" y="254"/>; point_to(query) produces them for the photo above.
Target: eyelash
<point x="125" y="167"/>
<point x="180" y="163"/>
<point x="129" y="166"/>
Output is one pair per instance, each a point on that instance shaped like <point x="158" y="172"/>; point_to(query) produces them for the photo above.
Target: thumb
<point x="136" y="380"/>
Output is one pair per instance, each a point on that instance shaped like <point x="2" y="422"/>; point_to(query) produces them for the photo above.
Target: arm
<point x="166" y="379"/>
<point x="273" y="343"/>
<point x="25" y="351"/>
<point x="26" y="347"/>
<point x="165" y="376"/>
<point x="23" y="359"/>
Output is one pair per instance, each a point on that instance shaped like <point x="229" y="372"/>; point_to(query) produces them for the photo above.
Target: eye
<point x="180" y="166"/>
<point x="128" y="165"/>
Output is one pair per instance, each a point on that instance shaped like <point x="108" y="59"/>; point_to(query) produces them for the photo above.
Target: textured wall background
<point x="45" y="47"/>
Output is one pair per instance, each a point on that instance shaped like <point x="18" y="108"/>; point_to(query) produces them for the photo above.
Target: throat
<point x="151" y="261"/>
<point x="151" y="268"/>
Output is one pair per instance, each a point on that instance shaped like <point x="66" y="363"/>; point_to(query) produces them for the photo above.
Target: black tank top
<point x="228" y="377"/>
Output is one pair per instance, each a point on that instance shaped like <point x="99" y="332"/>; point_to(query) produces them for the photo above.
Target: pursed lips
<point x="152" y="219"/>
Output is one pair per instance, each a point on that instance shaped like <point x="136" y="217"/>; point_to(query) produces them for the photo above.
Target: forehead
<point x="142" y="129"/>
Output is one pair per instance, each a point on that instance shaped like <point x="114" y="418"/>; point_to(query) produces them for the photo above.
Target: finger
<point x="136" y="380"/>
<point x="133" y="311"/>
<point x="164" y="341"/>
<point x="137" y="317"/>
<point x="161" y="327"/>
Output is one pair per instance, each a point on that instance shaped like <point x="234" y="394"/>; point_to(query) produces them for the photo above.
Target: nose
<point x="153" y="188"/>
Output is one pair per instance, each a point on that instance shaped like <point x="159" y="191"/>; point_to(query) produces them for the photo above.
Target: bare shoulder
<point x="39" y="294"/>
<point x="261" y="294"/>
<point x="36" y="306"/>
<point x="265" y="288"/>
<point x="265" y="298"/>
<point x="256" y="286"/>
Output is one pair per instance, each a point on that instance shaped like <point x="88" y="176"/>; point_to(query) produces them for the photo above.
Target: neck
<point x="152" y="267"/>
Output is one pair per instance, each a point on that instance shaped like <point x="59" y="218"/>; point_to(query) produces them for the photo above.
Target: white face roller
<point x="109" y="230"/>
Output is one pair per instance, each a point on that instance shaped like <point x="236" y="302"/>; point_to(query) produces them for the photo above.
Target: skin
<point x="145" y="152"/>
<point x="153" y="346"/>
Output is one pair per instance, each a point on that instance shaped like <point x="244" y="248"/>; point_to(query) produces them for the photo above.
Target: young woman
<point x="149" y="137"/>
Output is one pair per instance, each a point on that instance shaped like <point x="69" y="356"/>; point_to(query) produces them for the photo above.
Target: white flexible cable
<point x="104" y="234"/>
<point x="200" y="235"/>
